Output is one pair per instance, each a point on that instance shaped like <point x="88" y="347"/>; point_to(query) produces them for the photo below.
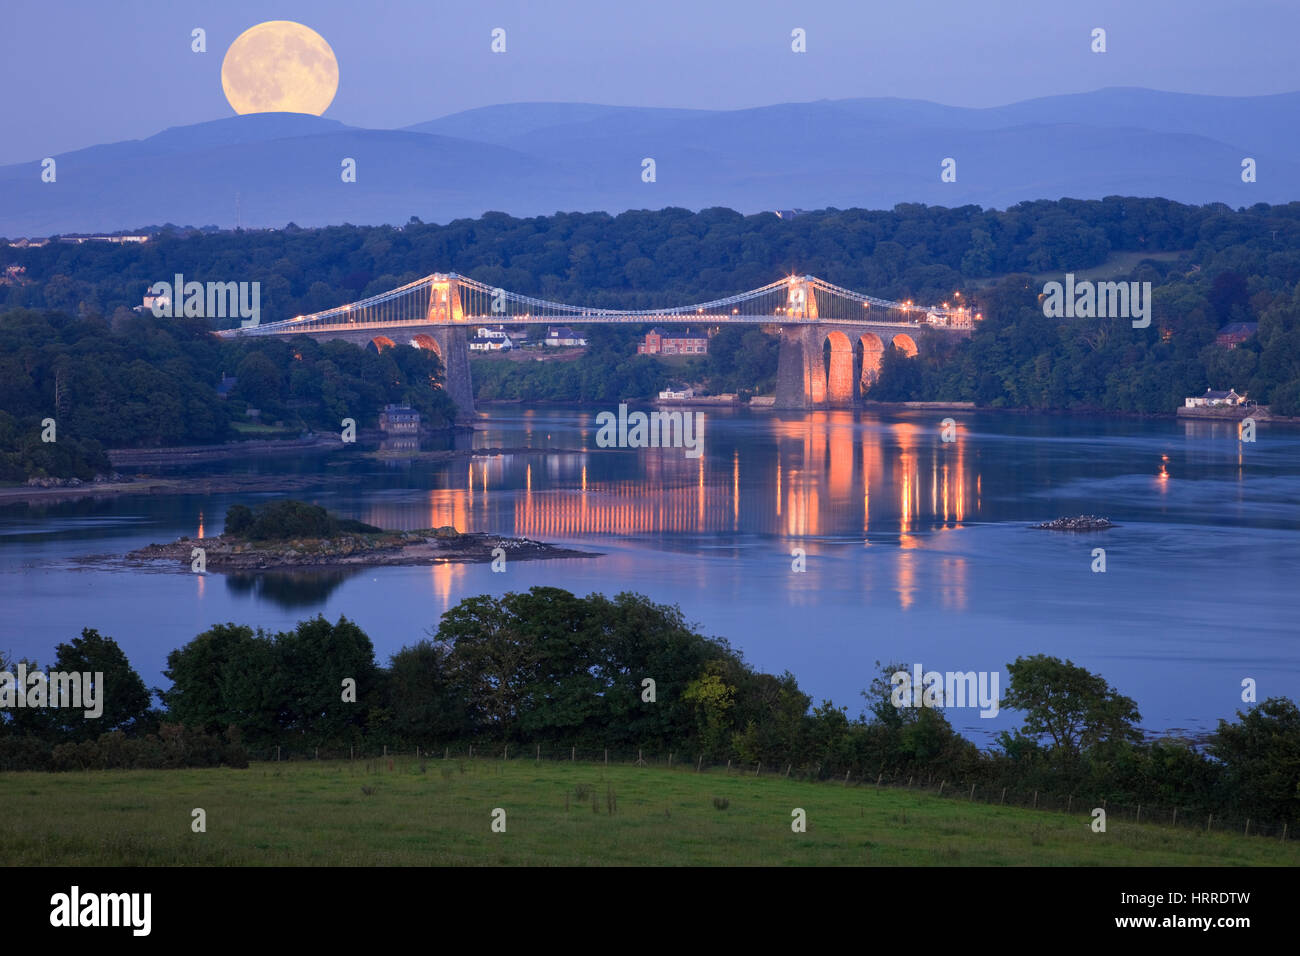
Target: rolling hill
<point x="538" y="158"/>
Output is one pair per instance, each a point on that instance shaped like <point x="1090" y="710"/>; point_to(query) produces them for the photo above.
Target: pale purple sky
<point x="81" y="72"/>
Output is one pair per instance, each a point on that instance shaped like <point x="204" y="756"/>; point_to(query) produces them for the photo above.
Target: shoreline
<point x="217" y="484"/>
<point x="183" y="454"/>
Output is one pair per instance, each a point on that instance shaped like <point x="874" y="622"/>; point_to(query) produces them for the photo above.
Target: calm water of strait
<point x="917" y="550"/>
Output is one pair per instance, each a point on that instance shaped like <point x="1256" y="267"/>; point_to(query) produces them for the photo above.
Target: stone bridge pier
<point x="832" y="366"/>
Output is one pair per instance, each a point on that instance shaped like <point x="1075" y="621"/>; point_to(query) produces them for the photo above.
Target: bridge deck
<point x="290" y="327"/>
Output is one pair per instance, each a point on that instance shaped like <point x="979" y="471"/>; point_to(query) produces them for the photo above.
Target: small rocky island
<point x="1079" y="523"/>
<point x="285" y="535"/>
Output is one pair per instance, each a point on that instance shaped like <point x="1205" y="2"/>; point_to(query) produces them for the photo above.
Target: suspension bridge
<point x="832" y="339"/>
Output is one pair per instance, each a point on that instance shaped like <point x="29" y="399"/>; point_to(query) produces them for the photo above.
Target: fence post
<point x="505" y="754"/>
<point x="972" y="792"/>
<point x="878" y="776"/>
<point x="1175" y="816"/>
<point x="573" y="754"/>
<point x="670" y="758"/>
<point x="909" y="783"/>
<point x="640" y="760"/>
<point x="277" y="753"/>
<point x="1209" y="824"/>
<point x="699" y="763"/>
<point x="941" y="787"/>
<point x="846" y="777"/>
<point x="1003" y="798"/>
<point x="446" y="753"/>
<point x="728" y="765"/>
<point x="350" y="757"/>
<point x="787" y="769"/>
<point x="1139" y="816"/>
<point x="758" y="768"/>
<point x="1247" y="826"/>
<point x="1283" y="832"/>
<point x="385" y="750"/>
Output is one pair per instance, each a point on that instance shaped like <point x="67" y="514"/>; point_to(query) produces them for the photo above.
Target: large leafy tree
<point x="123" y="695"/>
<point x="313" y="662"/>
<point x="1077" y="711"/>
<point x="421" y="703"/>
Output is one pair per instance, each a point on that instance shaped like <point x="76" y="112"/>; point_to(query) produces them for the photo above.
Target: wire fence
<point x="392" y="759"/>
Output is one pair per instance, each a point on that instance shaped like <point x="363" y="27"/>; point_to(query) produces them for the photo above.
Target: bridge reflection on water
<point x="821" y="476"/>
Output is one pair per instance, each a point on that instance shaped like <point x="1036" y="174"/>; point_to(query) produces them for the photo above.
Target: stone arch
<point x="837" y="361"/>
<point x="905" y="344"/>
<point x="381" y="342"/>
<point x="423" y="341"/>
<point x="868" y="351"/>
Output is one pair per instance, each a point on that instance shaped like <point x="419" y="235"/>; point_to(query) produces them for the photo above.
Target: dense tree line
<point x="642" y="258"/>
<point x="741" y="359"/>
<point x="286" y="518"/>
<point x="1017" y="358"/>
<point x="549" y="668"/>
<point x="128" y="733"/>
<point x="141" y="381"/>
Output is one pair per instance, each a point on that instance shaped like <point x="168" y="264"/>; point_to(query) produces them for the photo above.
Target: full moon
<point x="280" y="67"/>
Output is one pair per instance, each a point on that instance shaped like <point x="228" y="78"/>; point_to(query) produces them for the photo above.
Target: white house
<point x="490" y="343"/>
<point x="1213" y="398"/>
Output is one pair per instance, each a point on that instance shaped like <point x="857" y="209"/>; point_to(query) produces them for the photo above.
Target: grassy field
<point x="557" y="813"/>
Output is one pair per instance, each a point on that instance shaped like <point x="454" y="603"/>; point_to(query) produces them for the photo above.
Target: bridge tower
<point x="447" y="316"/>
<point x="453" y="347"/>
<point x="444" y="299"/>
<point x="801" y="301"/>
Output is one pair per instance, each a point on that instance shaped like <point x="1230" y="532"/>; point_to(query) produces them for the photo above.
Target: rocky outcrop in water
<point x="1080" y="523"/>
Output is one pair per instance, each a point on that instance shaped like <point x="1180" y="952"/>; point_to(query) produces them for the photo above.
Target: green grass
<point x="317" y="814"/>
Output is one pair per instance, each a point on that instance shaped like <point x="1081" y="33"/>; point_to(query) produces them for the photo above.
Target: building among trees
<point x="399" y="420"/>
<point x="1213" y="398"/>
<point x="686" y="342"/>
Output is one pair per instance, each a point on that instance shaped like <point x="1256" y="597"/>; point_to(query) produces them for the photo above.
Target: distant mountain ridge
<point x="539" y="158"/>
